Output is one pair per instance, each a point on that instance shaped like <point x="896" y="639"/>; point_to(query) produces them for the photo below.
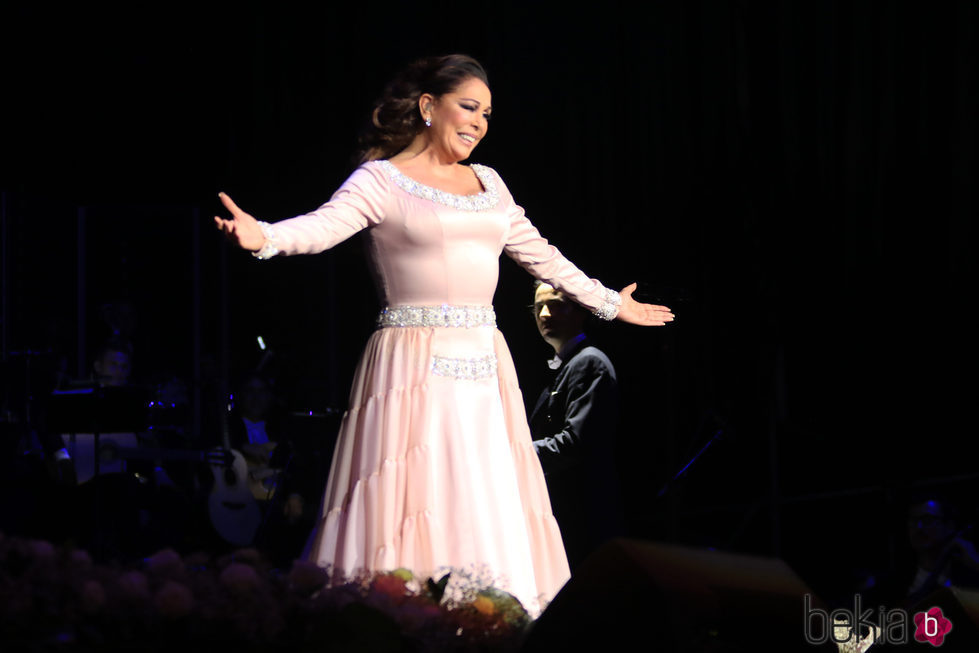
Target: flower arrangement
<point x="58" y="598"/>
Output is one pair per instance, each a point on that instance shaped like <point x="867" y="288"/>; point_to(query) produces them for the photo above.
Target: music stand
<point x="97" y="410"/>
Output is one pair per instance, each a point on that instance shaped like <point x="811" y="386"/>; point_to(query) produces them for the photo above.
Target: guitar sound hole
<point x="229" y="476"/>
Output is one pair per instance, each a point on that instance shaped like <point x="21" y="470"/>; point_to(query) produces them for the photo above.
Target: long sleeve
<point x="525" y="245"/>
<point x="359" y="203"/>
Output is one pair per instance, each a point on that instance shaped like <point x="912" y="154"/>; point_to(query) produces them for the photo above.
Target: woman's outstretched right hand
<point x="242" y="229"/>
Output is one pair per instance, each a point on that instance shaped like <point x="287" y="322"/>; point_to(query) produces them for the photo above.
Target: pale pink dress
<point x="434" y="467"/>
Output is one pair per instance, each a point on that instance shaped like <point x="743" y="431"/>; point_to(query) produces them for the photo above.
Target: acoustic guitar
<point x="262" y="477"/>
<point x="234" y="512"/>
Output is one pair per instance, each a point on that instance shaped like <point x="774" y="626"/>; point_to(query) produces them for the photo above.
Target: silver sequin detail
<point x="269" y="249"/>
<point x="481" y="202"/>
<point x="437" y="316"/>
<point x="467" y="369"/>
<point x="610" y="307"/>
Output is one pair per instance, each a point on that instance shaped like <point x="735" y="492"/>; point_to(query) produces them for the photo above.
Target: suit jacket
<point x="573" y="425"/>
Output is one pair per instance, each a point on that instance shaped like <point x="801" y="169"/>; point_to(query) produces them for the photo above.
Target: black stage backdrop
<point x="796" y="180"/>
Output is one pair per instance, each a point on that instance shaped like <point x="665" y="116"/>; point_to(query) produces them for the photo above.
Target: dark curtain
<point x="797" y="180"/>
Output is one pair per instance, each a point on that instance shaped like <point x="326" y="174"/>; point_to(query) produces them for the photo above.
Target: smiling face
<point x="459" y="119"/>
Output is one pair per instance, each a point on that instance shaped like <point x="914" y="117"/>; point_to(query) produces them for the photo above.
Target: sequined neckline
<point x="479" y="202"/>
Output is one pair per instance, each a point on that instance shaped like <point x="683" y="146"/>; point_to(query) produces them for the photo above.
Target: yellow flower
<point x="484" y="605"/>
<point x="404" y="574"/>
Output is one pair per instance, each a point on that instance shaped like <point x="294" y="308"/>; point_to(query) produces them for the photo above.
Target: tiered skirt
<point x="434" y="469"/>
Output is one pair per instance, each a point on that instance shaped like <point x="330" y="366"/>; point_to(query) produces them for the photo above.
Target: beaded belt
<point x="437" y="316"/>
<point x="469" y="369"/>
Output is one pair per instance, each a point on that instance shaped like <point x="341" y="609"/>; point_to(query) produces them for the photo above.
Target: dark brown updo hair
<point x="395" y="120"/>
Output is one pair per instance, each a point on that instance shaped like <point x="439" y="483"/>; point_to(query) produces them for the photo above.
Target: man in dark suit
<point x="573" y="425"/>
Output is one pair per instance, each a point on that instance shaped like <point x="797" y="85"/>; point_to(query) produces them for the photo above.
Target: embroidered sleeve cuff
<point x="269" y="249"/>
<point x="610" y="307"/>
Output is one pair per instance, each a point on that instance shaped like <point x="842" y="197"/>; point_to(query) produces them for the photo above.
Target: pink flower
<point x="249" y="556"/>
<point x="40" y="550"/>
<point x="166" y="563"/>
<point x="416" y="612"/>
<point x="240" y="578"/>
<point x="134" y="586"/>
<point x="80" y="559"/>
<point x="92" y="597"/>
<point x="306" y="577"/>
<point x="174" y="600"/>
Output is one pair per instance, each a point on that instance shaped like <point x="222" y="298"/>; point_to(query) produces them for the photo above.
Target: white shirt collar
<point x="556" y="362"/>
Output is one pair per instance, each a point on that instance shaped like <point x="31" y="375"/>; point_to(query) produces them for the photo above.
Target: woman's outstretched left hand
<point x="635" y="312"/>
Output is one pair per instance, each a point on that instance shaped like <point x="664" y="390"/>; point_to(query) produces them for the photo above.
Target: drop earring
<point x="428" y="122"/>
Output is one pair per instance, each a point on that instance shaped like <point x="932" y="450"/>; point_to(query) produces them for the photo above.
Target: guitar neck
<point x="213" y="456"/>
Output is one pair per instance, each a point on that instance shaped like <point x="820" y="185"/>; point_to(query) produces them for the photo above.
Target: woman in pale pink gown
<point x="434" y="468"/>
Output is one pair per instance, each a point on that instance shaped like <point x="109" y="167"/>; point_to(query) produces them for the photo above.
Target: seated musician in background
<point x="125" y="504"/>
<point x="113" y="364"/>
<point x="257" y="430"/>
<point x="944" y="554"/>
<point x="111" y="368"/>
<point x="934" y="550"/>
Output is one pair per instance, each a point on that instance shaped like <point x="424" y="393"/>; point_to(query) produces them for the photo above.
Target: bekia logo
<point x="931" y="626"/>
<point x="857" y="630"/>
